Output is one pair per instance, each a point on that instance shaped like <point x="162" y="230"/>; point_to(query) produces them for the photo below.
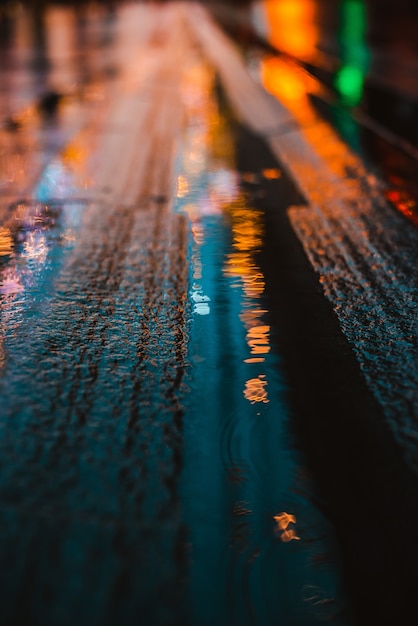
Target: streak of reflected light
<point x="258" y="339"/>
<point x="247" y="240"/>
<point x="247" y="232"/>
<point x="192" y="195"/>
<point x="205" y="184"/>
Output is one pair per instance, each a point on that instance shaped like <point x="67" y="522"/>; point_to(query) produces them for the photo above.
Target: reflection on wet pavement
<point x="360" y="248"/>
<point x="363" y="253"/>
<point x="235" y="429"/>
<point x="144" y="443"/>
<point x="149" y="469"/>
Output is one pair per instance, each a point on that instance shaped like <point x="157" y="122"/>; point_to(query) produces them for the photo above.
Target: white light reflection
<point x="201" y="302"/>
<point x="204" y="185"/>
<point x="223" y="185"/>
<point x="207" y="189"/>
<point x="35" y="247"/>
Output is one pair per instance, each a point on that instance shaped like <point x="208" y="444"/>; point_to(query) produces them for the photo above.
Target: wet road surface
<point x="362" y="249"/>
<point x="208" y="334"/>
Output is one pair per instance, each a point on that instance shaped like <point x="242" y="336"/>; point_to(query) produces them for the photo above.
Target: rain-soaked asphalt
<point x="208" y="333"/>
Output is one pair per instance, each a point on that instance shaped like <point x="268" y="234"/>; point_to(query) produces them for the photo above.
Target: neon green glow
<point x="349" y="80"/>
<point x="354" y="21"/>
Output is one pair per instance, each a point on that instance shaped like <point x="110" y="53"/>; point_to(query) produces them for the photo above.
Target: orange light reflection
<point x="283" y="520"/>
<point x="271" y="173"/>
<point x="255" y="390"/>
<point x="404" y="203"/>
<point x="6" y="242"/>
<point x="291" y="84"/>
<point x="292" y="26"/>
<point x="247" y="231"/>
<point x="258" y="339"/>
<point x="247" y="234"/>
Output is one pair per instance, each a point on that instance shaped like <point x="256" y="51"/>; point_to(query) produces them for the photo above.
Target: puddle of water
<point x="253" y="532"/>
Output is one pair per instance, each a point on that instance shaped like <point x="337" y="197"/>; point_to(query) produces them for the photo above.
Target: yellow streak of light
<point x="211" y="135"/>
<point x="247" y="231"/>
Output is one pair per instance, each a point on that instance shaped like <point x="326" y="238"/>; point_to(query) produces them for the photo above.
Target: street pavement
<point x="209" y="304"/>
